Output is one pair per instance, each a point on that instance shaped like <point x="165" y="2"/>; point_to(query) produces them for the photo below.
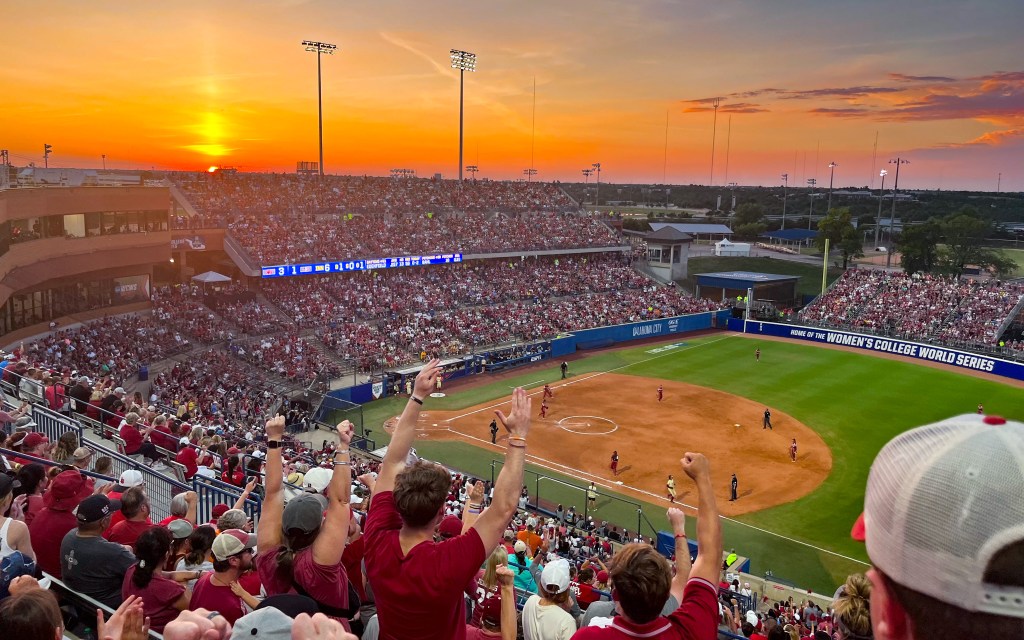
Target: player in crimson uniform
<point x="661" y="393"/>
<point x="544" y="408"/>
<point x="792" y="450"/>
<point x="615" y="463"/>
<point x="548" y="393"/>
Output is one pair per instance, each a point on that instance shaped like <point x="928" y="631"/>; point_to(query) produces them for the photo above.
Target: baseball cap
<point x="266" y="624"/>
<point x="131" y="478"/>
<point x="81" y="453"/>
<point x="229" y="543"/>
<point x="119" y="391"/>
<point x="96" y="508"/>
<point x="24" y="423"/>
<point x="555" y="576"/>
<point x="942" y="501"/>
<point x="183" y="440"/>
<point x="318" y="478"/>
<point x="304" y="512"/>
<point x="219" y="510"/>
<point x="602" y="576"/>
<point x="7" y="485"/>
<point x="450" y="527"/>
<point x="180" y="528"/>
<point x="519" y="546"/>
<point x="34" y="439"/>
<point x="66" y="490"/>
<point x="290" y="604"/>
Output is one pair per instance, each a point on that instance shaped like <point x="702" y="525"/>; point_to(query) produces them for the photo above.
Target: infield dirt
<point x="593" y="414"/>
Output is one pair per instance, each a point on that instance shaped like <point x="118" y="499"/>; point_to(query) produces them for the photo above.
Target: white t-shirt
<point x="546" y="623"/>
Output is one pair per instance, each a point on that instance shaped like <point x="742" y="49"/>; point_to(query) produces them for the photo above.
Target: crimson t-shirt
<point x="420" y="594"/>
<point x="158" y="597"/>
<point x="695" y="619"/>
<point x="127" y="531"/>
<point x="47" y="531"/>
<point x="214" y="597"/>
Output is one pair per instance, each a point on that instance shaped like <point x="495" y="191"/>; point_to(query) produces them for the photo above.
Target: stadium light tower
<point x="328" y="49"/>
<point x="597" y="194"/>
<point x="47" y="150"/>
<point x="878" y="218"/>
<point x="463" y="61"/>
<point x="529" y="173"/>
<point x="832" y="166"/>
<point x="472" y="168"/>
<point x="810" y="218"/>
<point x="785" y="186"/>
<point x="892" y="215"/>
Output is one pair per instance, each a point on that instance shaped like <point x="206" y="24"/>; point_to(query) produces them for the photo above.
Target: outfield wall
<point x="608" y="336"/>
<point x="905" y="348"/>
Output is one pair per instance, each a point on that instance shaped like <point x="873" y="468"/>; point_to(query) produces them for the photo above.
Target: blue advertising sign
<point x="320" y="268"/>
<point x="918" y="351"/>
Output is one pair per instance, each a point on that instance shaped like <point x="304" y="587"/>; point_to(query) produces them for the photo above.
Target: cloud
<point x="902" y="77"/>
<point x="990" y="139"/>
<point x="743" y="107"/>
<point x="847" y="112"/>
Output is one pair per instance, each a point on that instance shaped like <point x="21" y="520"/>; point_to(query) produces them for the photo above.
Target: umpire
<point x="733" y="486"/>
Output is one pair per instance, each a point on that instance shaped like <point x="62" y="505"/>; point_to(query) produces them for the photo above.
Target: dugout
<point x="777" y="289"/>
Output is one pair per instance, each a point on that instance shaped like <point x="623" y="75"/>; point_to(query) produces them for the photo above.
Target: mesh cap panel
<point x="941" y="501"/>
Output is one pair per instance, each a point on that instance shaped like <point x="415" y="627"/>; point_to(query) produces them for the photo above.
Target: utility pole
<point x="785" y="186"/>
<point x="810" y="218"/>
<point x="892" y="215"/>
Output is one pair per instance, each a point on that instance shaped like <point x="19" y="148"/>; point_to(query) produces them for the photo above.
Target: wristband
<point x="474" y="511"/>
<point x="341" y="463"/>
<point x="681" y="535"/>
<point x="519" y="438"/>
<point x="345" y="451"/>
<point x="415" y="399"/>
<point x="273" y="444"/>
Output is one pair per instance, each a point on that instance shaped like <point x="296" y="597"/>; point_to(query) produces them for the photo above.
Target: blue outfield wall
<point x="607" y="336"/>
<point x="913" y="350"/>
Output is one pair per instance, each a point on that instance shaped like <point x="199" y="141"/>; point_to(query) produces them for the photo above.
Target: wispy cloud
<point x="903" y="77"/>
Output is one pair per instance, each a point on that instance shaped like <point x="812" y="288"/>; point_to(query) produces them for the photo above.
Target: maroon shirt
<point x="213" y="597"/>
<point x="420" y="594"/>
<point x="47" y="531"/>
<point x="695" y="619"/>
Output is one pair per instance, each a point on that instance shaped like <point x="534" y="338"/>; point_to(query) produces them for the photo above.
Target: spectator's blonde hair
<point x="853" y="607"/>
<point x="498" y="558"/>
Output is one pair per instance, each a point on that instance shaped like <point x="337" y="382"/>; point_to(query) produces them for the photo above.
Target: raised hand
<point x="504" y="575"/>
<point x="678" y="520"/>
<point x="517" y="423"/>
<point x="318" y="627"/>
<point x="476" y="494"/>
<point x="275" y="428"/>
<point x="345" y="431"/>
<point x="696" y="466"/>
<point x="426" y="379"/>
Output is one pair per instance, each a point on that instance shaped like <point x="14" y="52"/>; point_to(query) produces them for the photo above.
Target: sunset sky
<point x="186" y="85"/>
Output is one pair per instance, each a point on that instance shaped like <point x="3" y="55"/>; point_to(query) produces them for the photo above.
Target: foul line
<point x="601" y="373"/>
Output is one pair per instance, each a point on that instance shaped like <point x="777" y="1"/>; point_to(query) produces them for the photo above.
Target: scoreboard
<point x="342" y="266"/>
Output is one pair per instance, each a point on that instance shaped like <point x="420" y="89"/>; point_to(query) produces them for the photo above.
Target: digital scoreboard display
<point x="342" y="266"/>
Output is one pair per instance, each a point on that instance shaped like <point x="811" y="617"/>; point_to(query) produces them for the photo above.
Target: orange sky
<point x="187" y="84"/>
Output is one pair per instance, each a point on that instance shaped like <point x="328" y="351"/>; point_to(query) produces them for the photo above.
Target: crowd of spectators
<point x="289" y="356"/>
<point x="954" y="311"/>
<point x="181" y="308"/>
<point x="341" y="538"/>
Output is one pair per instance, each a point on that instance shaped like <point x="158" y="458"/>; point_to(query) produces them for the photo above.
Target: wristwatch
<point x="273" y="444"/>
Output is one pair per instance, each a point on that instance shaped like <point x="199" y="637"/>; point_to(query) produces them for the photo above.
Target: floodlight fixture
<point x="319" y="48"/>
<point x="463" y="61"/>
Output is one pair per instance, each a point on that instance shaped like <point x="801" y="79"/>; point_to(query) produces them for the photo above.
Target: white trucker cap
<point x="941" y="501"/>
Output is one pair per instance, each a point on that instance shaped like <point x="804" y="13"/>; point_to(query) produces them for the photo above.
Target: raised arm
<point x="192" y="500"/>
<point x="405" y="432"/>
<point x="508" y="603"/>
<point x="474" y="506"/>
<point x="268" y="534"/>
<point x="491" y="524"/>
<point x="678" y="520"/>
<point x="709" y="525"/>
<point x="330" y="544"/>
<point x="249" y="486"/>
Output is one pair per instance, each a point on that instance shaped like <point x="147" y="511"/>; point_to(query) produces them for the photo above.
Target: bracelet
<point x="345" y="451"/>
<point x="342" y="463"/>
<point x="518" y="446"/>
<point x="681" y="535"/>
<point x="474" y="511"/>
<point x="474" y="506"/>
<point x="415" y="399"/>
<point x="517" y="438"/>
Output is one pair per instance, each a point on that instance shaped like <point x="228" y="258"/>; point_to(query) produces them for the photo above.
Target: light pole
<point x="529" y="173"/>
<point x="785" y="185"/>
<point x="463" y="61"/>
<point x="878" y="218"/>
<point x="732" y="195"/>
<point x="832" y="174"/>
<point x="472" y="168"/>
<point x="104" y="162"/>
<point x="597" y="194"/>
<point x="328" y="49"/>
<point x="714" y="130"/>
<point x="47" y="150"/>
<point x="810" y="218"/>
<point x="892" y="215"/>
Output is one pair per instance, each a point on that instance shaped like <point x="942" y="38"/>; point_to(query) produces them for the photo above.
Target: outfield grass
<point x="1017" y="255"/>
<point x="810" y="275"/>
<point x="855" y="402"/>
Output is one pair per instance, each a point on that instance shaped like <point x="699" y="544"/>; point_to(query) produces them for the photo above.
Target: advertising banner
<point x="915" y="350"/>
<point x="131" y="289"/>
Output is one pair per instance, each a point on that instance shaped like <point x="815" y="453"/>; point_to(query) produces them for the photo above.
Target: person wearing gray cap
<point x="944" y="526"/>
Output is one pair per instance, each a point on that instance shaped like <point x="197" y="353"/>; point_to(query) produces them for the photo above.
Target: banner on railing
<point x="881" y="344"/>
